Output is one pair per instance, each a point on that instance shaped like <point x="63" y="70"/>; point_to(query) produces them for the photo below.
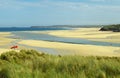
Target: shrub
<point x="114" y="28"/>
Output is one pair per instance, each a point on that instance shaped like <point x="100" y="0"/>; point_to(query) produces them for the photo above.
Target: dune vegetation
<point x="33" y="64"/>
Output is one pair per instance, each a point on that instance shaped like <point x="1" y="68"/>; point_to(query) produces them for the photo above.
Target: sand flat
<point x="89" y="33"/>
<point x="77" y="49"/>
<point x="3" y="38"/>
<point x="4" y="41"/>
<point x="86" y="33"/>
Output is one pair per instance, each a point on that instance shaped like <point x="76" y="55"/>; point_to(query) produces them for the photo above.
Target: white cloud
<point x="7" y="4"/>
<point x="61" y="4"/>
<point x="15" y="4"/>
<point x="98" y="0"/>
<point x="83" y="11"/>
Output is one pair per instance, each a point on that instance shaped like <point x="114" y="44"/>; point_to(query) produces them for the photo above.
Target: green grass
<point x="31" y="64"/>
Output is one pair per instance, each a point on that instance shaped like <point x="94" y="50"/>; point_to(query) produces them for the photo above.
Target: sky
<point x="59" y="12"/>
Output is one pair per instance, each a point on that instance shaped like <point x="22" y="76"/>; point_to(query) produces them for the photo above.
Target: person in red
<point x="14" y="47"/>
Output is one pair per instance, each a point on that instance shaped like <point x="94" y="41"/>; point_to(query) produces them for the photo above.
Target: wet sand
<point x="3" y="38"/>
<point x="4" y="41"/>
<point x="76" y="49"/>
<point x="89" y="33"/>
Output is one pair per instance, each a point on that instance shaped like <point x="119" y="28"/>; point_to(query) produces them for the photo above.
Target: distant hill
<point x="114" y="28"/>
<point x="71" y="26"/>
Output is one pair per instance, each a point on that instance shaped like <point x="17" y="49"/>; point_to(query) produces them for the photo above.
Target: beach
<point x="80" y="49"/>
<point x="4" y="50"/>
<point x="69" y="48"/>
<point x="89" y="33"/>
<point x="4" y="41"/>
<point x="77" y="49"/>
<point x="3" y="38"/>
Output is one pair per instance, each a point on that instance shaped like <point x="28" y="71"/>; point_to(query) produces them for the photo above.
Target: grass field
<point x="31" y="64"/>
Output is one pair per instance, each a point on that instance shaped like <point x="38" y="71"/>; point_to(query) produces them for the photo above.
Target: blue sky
<point x="59" y="12"/>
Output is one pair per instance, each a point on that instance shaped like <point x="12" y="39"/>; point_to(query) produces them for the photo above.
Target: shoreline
<point x="76" y="49"/>
<point x="69" y="48"/>
<point x="88" y="33"/>
<point x="5" y="41"/>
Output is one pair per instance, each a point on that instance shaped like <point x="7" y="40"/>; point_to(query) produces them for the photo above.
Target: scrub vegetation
<point x="114" y="28"/>
<point x="32" y="64"/>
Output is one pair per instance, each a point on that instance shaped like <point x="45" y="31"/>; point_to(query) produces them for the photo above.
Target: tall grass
<point x="31" y="64"/>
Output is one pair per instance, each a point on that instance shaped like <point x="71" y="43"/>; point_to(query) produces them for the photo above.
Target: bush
<point x="114" y="28"/>
<point x="4" y="73"/>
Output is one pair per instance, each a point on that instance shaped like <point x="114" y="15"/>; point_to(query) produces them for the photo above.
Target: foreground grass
<point x="31" y="64"/>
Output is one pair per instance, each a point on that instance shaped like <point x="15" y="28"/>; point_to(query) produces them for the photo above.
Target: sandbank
<point x="88" y="33"/>
<point x="76" y="49"/>
<point x="3" y="38"/>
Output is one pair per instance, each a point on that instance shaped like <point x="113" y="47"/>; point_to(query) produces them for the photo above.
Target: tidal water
<point x="9" y="29"/>
<point x="46" y="37"/>
<point x="19" y="33"/>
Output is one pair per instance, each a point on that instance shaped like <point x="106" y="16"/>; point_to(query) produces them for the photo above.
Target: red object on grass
<point x="14" y="47"/>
